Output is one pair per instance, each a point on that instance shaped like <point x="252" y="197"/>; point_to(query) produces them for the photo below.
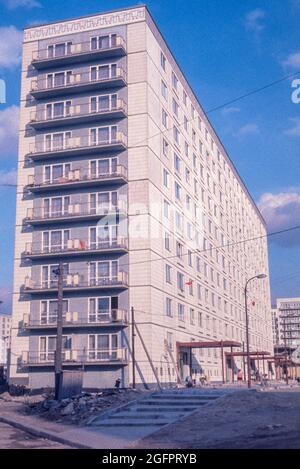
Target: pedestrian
<point x="240" y="376"/>
<point x="117" y="383"/>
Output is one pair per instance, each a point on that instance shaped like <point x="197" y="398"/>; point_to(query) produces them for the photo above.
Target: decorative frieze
<point x="84" y="24"/>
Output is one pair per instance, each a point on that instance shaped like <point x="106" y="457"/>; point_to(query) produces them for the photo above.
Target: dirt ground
<point x="13" y="438"/>
<point x="251" y="419"/>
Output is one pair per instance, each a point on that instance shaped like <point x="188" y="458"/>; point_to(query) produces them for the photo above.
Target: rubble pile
<point x="80" y="408"/>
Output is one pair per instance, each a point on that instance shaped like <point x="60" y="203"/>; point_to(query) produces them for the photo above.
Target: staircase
<point x="157" y="410"/>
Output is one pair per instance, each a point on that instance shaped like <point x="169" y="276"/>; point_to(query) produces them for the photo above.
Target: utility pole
<point x="58" y="353"/>
<point x="133" y="346"/>
<point x="260" y="276"/>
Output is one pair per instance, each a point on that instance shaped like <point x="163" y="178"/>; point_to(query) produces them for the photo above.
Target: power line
<point x="234" y="100"/>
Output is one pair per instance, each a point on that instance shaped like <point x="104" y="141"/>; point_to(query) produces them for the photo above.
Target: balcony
<point x="77" y="179"/>
<point x="75" y="146"/>
<point x="77" y="53"/>
<point x="78" y="114"/>
<point x="74" y="213"/>
<point x="117" y="356"/>
<point x="77" y="83"/>
<point x="76" y="282"/>
<point x="107" y="318"/>
<point x="76" y="248"/>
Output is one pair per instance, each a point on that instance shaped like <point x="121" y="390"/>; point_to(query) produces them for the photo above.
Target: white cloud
<point x="9" y="129"/>
<point x="248" y="129"/>
<point x="294" y="131"/>
<point x="253" y="20"/>
<point x="10" y="46"/>
<point x="292" y="61"/>
<point x="8" y="177"/>
<point x="282" y="211"/>
<point x="230" y="110"/>
<point x="13" y="4"/>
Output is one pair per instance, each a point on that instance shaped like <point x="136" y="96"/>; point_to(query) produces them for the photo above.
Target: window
<point x="164" y="89"/>
<point x="174" y="81"/>
<point x="103" y="103"/>
<point x="179" y="250"/>
<point x="179" y="222"/>
<point x="168" y="273"/>
<point x="180" y="281"/>
<point x="163" y="61"/>
<point x="184" y="97"/>
<point x="190" y="258"/>
<point x="167" y="242"/>
<point x="166" y="209"/>
<point x="169" y="307"/>
<point x="180" y="311"/>
<point x="103" y="72"/>
<point x="59" y="49"/>
<point x="192" y="316"/>
<point x="177" y="161"/>
<point x="165" y="147"/>
<point x="170" y="340"/>
<point x="102" y="346"/>
<point x="164" y="118"/>
<point x="166" y="177"/>
<point x="185" y="123"/>
<point x="200" y="320"/>
<point x="176" y="134"/>
<point x="103" y="135"/>
<point x="103" y="42"/>
<point x="175" y="107"/>
<point x="177" y="191"/>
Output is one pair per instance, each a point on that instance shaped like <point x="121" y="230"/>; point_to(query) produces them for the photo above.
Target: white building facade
<point x="125" y="180"/>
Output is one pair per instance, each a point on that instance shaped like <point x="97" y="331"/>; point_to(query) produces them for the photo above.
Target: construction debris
<point x="80" y="408"/>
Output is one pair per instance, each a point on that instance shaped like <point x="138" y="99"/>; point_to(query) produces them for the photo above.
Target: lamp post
<point x="260" y="276"/>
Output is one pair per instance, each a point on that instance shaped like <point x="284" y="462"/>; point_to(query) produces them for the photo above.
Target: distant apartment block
<point x="286" y="323"/>
<point x="125" y="180"/>
<point x="5" y="332"/>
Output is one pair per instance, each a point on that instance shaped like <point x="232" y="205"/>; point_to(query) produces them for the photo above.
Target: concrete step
<point x="138" y="416"/>
<point x="170" y="402"/>
<point x="184" y="397"/>
<point x="131" y="423"/>
<point x="166" y="409"/>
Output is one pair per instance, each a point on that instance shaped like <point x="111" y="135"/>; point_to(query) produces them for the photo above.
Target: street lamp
<point x="260" y="276"/>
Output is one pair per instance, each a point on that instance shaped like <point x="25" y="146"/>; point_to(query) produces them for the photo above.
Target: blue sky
<point x="226" y="48"/>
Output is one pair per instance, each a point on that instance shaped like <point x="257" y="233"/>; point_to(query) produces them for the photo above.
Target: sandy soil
<point x="251" y="419"/>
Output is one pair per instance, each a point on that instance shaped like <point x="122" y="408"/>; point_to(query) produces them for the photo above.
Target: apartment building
<point x="127" y="183"/>
<point x="5" y="331"/>
<point x="286" y="323"/>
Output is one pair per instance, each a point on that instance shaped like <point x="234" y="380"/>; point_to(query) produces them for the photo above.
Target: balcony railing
<point x="74" y="145"/>
<point x="69" y="357"/>
<point x="78" y="52"/>
<point x="78" y="177"/>
<point x="74" y="282"/>
<point x="75" y="247"/>
<point x="77" y="82"/>
<point x="75" y="212"/>
<point x="80" y="113"/>
<point x="114" y="317"/>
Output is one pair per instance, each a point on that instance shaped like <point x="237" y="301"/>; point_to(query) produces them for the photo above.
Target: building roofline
<point x="106" y="12"/>
<point x="142" y="5"/>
